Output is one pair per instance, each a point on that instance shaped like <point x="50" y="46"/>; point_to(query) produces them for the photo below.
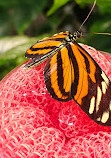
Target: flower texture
<point x="34" y="125"/>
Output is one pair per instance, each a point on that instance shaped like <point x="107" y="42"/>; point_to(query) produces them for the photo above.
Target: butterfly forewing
<point x="46" y="45"/>
<point x="57" y="37"/>
<point x="44" y="49"/>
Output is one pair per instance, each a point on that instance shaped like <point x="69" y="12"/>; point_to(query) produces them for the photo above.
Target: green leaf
<point x="17" y="15"/>
<point x="103" y="25"/>
<point x="26" y="12"/>
<point x="57" y="4"/>
<point x="82" y="3"/>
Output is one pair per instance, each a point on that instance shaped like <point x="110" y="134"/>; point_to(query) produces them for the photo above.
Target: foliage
<point x="12" y="53"/>
<point x="44" y="17"/>
<point x="18" y="14"/>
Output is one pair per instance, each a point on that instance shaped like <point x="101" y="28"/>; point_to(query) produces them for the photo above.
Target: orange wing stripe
<point x="83" y="78"/>
<point x="58" y="75"/>
<point x="91" y="63"/>
<point x="38" y="52"/>
<point x="58" y="36"/>
<point x="46" y="44"/>
<point x="66" y="66"/>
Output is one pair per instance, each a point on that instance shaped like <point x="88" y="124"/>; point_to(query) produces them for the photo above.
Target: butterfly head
<point x="77" y="34"/>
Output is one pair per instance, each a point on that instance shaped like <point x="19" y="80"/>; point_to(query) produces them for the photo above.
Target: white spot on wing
<point x="92" y="105"/>
<point x="105" y="117"/>
<point x="104" y="87"/>
<point x="61" y="33"/>
<point x="99" y="95"/>
<point x="55" y="34"/>
<point x="105" y="78"/>
<point x="71" y="43"/>
<point x="98" y="119"/>
<point x="110" y="105"/>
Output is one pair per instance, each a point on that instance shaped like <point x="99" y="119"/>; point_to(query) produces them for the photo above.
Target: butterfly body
<point x="71" y="73"/>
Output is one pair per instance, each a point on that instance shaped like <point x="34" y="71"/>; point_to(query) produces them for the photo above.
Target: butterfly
<point x="71" y="73"/>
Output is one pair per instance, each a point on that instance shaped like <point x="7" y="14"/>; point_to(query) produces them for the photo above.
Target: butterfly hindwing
<point x="93" y="90"/>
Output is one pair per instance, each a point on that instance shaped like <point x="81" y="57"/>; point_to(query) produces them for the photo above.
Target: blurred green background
<point x="23" y="22"/>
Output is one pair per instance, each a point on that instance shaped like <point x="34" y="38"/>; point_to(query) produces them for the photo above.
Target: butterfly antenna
<point x="88" y="15"/>
<point x="102" y="33"/>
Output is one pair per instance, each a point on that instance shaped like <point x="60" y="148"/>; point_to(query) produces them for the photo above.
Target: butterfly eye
<point x="79" y="34"/>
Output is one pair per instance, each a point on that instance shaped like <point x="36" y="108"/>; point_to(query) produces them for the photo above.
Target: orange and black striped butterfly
<point x="71" y="73"/>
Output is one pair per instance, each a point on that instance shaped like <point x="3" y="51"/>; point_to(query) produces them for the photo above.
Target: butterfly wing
<point x="92" y="91"/>
<point x="72" y="73"/>
<point x="57" y="76"/>
<point x="44" y="49"/>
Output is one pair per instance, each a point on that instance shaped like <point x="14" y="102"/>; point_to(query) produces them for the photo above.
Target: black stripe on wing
<point x="66" y="96"/>
<point x="97" y="103"/>
<point x="38" y="53"/>
<point x="48" y="47"/>
<point x="60" y="74"/>
<point x="76" y="70"/>
<point x="102" y="104"/>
